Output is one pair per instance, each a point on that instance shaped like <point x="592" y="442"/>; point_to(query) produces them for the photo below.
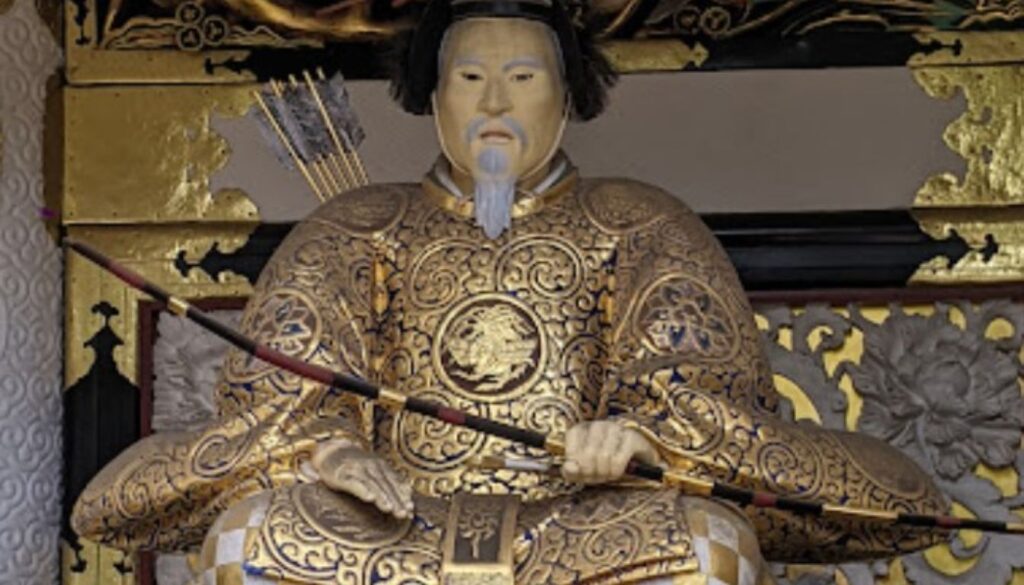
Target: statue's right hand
<point x="345" y="467"/>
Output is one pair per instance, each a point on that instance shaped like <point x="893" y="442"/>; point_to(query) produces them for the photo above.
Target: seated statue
<point x="507" y="286"/>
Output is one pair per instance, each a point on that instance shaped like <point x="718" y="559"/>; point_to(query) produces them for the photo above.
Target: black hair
<point x="588" y="75"/>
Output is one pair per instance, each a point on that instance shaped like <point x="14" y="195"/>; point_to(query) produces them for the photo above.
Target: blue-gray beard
<point x="493" y="198"/>
<point x="494" y="192"/>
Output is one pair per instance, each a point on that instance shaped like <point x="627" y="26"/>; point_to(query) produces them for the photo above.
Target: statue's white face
<point x="500" y="99"/>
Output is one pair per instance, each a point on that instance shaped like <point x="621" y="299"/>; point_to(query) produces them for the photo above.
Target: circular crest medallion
<point x="490" y="347"/>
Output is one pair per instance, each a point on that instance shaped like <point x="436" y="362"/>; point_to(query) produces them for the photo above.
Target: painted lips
<point x="496" y="136"/>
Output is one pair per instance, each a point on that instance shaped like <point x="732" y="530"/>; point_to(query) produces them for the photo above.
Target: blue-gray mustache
<point x="476" y="123"/>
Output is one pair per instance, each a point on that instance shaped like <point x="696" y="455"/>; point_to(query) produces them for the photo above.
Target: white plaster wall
<point x="30" y="313"/>
<point x="776" y="140"/>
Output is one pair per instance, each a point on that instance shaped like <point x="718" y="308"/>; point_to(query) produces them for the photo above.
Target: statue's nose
<point x="495" y="100"/>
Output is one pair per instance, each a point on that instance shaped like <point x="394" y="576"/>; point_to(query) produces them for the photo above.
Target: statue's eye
<point x="522" y="77"/>
<point x="470" y="75"/>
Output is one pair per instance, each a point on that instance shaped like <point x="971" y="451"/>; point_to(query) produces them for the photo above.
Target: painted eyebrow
<point x="523" y="61"/>
<point x="467" y="61"/>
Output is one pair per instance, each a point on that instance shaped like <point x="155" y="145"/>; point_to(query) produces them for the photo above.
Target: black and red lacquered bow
<point x="550" y="444"/>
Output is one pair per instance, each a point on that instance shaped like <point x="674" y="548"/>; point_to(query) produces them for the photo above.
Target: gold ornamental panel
<point x="968" y="48"/>
<point x="85" y="66"/>
<point x="151" y="251"/>
<point x="983" y="205"/>
<point x="995" y="236"/>
<point x="654" y="55"/>
<point x="103" y="565"/>
<point x="987" y="135"/>
<point x="124" y="46"/>
<point x="145" y="155"/>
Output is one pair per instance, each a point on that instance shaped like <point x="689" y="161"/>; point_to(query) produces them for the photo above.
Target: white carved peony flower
<point x="186" y="369"/>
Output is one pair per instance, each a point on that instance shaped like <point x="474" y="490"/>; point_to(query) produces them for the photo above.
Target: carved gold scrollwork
<point x="985" y="205"/>
<point x="109" y="178"/>
<point x="151" y="250"/>
<point x="987" y="136"/>
<point x="190" y="26"/>
<point x="654" y="55"/>
<point x="106" y="566"/>
<point x="996" y="238"/>
<point x="196" y="29"/>
<point x="968" y="48"/>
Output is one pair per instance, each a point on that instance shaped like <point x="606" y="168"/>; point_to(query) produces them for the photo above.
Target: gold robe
<point x="606" y="298"/>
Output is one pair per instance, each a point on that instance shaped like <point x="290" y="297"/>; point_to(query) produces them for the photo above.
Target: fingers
<point x="593" y="449"/>
<point x="402" y="490"/>
<point x="355" y="486"/>
<point x="608" y="443"/>
<point x="330" y="455"/>
<point x="644" y="450"/>
<point x="600" y="451"/>
<point x="587" y="450"/>
<point x="367" y="478"/>
<point x="387" y="499"/>
<point x="398" y="491"/>
<point x="618" y="461"/>
<point x="574" y="440"/>
<point x="370" y="482"/>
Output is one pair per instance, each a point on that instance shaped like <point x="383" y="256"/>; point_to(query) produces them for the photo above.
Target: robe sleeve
<point x="689" y="372"/>
<point x="313" y="302"/>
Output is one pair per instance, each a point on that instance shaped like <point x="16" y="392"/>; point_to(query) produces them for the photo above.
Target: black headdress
<point x="587" y="74"/>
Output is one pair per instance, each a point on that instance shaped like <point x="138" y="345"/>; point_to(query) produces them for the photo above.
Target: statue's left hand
<point x="599" y="451"/>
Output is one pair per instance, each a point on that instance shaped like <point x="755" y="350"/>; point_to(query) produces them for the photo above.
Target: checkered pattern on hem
<point x="222" y="558"/>
<point x="726" y="545"/>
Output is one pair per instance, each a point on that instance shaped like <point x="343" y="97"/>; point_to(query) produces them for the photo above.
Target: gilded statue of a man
<point x="507" y="286"/>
